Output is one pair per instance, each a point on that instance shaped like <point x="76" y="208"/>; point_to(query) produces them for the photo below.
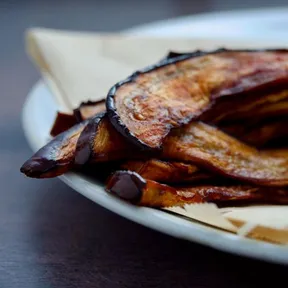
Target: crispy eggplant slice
<point x="166" y="172"/>
<point x="208" y="147"/>
<point x="100" y="141"/>
<point x="62" y="123"/>
<point x="89" y="109"/>
<point x="147" y="105"/>
<point x="56" y="157"/>
<point x="131" y="187"/>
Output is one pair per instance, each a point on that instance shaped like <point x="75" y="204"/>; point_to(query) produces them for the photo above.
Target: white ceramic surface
<point x="38" y="115"/>
<point x="256" y="24"/>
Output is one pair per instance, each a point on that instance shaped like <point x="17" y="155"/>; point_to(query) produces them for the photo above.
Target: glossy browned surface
<point x="56" y="157"/>
<point x="167" y="172"/>
<point x="132" y="187"/>
<point x="99" y="142"/>
<point x="90" y="141"/>
<point x="154" y="102"/>
<point x="209" y="147"/>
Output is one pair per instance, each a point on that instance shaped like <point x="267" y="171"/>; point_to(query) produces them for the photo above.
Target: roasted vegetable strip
<point x="213" y="149"/>
<point x="99" y="142"/>
<point x="89" y="109"/>
<point x="148" y="104"/>
<point x="133" y="188"/>
<point x="56" y="157"/>
<point x="167" y="172"/>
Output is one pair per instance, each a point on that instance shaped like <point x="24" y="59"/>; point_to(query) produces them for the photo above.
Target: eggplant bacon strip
<point x="56" y="157"/>
<point x="94" y="140"/>
<point x="195" y="143"/>
<point x="147" y="105"/>
<point x="101" y="142"/>
<point x="131" y="187"/>
<point x="207" y="146"/>
<point x="166" y="172"/>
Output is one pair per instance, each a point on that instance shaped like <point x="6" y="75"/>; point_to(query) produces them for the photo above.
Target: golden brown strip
<point x="208" y="147"/>
<point x="166" y="172"/>
<point x="91" y="141"/>
<point x="100" y="142"/>
<point x="133" y="188"/>
<point x="150" y="103"/>
<point x="56" y="157"/>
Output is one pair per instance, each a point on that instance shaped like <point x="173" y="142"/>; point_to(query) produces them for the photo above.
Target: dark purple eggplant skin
<point x="171" y="58"/>
<point x="43" y="162"/>
<point x="126" y="185"/>
<point x="84" y="148"/>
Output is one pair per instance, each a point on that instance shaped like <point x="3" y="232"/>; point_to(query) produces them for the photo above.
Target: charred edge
<point x="77" y="115"/>
<point x="123" y="130"/>
<point x="36" y="167"/>
<point x="42" y="161"/>
<point x="115" y="119"/>
<point x="77" y="112"/>
<point x="173" y="54"/>
<point x="84" y="147"/>
<point x="126" y="185"/>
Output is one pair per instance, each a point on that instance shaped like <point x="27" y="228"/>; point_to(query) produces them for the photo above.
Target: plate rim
<point x="149" y="27"/>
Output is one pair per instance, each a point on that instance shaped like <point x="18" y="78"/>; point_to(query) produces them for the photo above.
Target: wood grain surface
<point x="50" y="236"/>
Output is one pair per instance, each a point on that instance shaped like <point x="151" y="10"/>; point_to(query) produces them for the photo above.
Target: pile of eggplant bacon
<point x="195" y="127"/>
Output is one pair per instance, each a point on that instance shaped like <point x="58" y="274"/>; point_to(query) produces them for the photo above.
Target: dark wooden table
<point x="50" y="236"/>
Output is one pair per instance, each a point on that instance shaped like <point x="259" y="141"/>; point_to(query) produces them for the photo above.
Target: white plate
<point x="38" y="116"/>
<point x="256" y="24"/>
